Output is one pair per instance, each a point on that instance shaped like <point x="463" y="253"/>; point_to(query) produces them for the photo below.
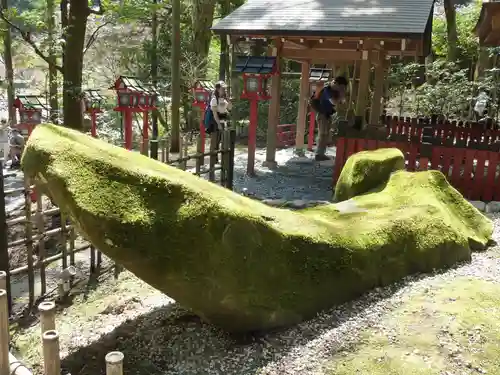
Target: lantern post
<point x="257" y="70"/>
<point x="30" y="109"/>
<point x="135" y="96"/>
<point x="93" y="105"/>
<point x="318" y="77"/>
<point x="202" y="89"/>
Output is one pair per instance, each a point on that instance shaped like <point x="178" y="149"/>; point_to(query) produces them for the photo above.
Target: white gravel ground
<point x="295" y="177"/>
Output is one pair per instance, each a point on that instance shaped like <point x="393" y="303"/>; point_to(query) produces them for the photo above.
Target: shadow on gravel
<point x="171" y="340"/>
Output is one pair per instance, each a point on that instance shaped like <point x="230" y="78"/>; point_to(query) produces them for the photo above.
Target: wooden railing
<point x="470" y="165"/>
<point x="49" y="341"/>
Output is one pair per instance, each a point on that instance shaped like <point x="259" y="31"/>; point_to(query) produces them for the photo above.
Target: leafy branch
<point x="26" y="35"/>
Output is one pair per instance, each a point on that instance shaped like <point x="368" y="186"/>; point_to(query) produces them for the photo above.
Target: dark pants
<point x="220" y="130"/>
<point x="324" y="127"/>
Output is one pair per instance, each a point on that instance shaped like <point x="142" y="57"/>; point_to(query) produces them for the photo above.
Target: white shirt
<point x="221" y="107"/>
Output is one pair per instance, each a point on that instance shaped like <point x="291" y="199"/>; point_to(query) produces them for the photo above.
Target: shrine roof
<point x="33" y="102"/>
<point x="136" y="85"/>
<point x="392" y="18"/>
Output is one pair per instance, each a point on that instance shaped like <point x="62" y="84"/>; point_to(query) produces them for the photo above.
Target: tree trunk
<point x="202" y="19"/>
<point x="154" y="77"/>
<point x="451" y="28"/>
<point x="176" y="75"/>
<point x="53" y="87"/>
<point x="483" y="63"/>
<point x="73" y="64"/>
<point x="9" y="69"/>
<point x="224" y="46"/>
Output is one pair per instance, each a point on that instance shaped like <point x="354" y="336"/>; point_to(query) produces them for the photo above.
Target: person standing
<point x="16" y="143"/>
<point x="220" y="106"/>
<point x="328" y="98"/>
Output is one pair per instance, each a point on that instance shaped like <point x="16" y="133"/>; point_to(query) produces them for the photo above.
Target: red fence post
<point x="127" y="131"/>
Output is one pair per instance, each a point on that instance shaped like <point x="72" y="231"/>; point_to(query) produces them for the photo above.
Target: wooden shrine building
<point x="333" y="32"/>
<point x="488" y="25"/>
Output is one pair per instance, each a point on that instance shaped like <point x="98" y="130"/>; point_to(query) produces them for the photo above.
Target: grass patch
<point x="450" y="330"/>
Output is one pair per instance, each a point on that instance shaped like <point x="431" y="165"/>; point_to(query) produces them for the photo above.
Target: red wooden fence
<point x="449" y="131"/>
<point x="470" y="165"/>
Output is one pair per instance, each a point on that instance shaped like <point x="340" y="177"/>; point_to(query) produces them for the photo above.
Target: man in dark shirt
<point x="330" y="96"/>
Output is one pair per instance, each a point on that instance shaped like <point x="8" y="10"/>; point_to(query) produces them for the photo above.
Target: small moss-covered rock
<point x="237" y="262"/>
<point x="367" y="170"/>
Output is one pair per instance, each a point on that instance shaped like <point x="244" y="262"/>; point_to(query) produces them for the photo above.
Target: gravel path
<point x="295" y="177"/>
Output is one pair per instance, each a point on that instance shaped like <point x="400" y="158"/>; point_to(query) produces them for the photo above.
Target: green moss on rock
<point x="236" y="262"/>
<point x="367" y="170"/>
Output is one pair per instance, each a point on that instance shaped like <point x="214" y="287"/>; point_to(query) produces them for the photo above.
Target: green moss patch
<point x="366" y="170"/>
<point x="239" y="263"/>
<point x="451" y="329"/>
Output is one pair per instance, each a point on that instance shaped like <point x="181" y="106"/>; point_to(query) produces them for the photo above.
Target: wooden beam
<point x="274" y="112"/>
<point x="321" y="55"/>
<point x="294" y="45"/>
<point x="303" y="102"/>
<point x="378" y="91"/>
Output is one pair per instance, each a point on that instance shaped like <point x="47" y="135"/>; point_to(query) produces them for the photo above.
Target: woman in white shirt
<point x="220" y="105"/>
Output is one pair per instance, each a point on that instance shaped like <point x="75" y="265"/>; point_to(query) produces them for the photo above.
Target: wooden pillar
<point x="302" y="114"/>
<point x="353" y="90"/>
<point x="378" y="91"/>
<point x="274" y="111"/>
<point x="364" y="84"/>
<point x="342" y="108"/>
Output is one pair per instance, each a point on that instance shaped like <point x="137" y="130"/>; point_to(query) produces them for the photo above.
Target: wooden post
<point x="114" y="363"/>
<point x="303" y="102"/>
<point x="378" y="92"/>
<point x="343" y="70"/>
<point x="252" y="135"/>
<point x="364" y="84"/>
<point x="4" y="333"/>
<point x="47" y="316"/>
<point x="51" y="358"/>
<point x="274" y="111"/>
<point x="3" y="280"/>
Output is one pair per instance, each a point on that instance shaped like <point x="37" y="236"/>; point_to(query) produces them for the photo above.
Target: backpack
<point x="209" y="115"/>
<point x="315" y="101"/>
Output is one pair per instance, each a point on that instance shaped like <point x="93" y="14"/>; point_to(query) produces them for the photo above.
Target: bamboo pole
<point x="114" y="363"/>
<point x="3" y="280"/>
<point x="47" y="316"/>
<point x="51" y="359"/>
<point x="4" y="333"/>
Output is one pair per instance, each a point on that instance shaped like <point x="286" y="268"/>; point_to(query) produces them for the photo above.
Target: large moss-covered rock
<point x="235" y="261"/>
<point x="367" y="170"/>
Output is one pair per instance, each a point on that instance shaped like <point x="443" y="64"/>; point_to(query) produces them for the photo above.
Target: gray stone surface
<point x="493" y="207"/>
<point x="481" y="206"/>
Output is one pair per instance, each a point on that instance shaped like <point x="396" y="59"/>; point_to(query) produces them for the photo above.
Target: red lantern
<point x="93" y="105"/>
<point x="30" y="109"/>
<point x="133" y="95"/>
<point x="202" y="89"/>
<point x="257" y="70"/>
